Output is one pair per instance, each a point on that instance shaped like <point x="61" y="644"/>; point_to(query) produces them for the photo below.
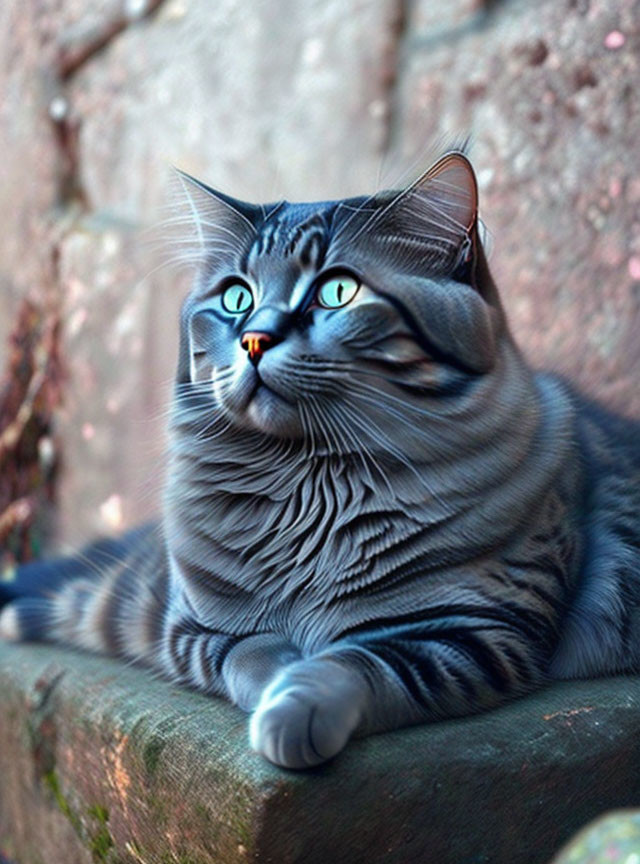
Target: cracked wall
<point x="304" y="99"/>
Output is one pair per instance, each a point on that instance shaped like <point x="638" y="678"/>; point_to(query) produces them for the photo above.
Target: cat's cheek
<point x="235" y="394"/>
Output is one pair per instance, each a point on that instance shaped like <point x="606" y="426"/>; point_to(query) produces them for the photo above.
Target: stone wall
<point x="317" y="98"/>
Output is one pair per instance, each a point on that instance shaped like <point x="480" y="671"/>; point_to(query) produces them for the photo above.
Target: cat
<point x="375" y="514"/>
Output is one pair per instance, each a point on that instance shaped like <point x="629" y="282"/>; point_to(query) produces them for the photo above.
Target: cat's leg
<point x="389" y="678"/>
<point x="114" y="610"/>
<point x="129" y="618"/>
<point x="237" y="667"/>
<point x="109" y="598"/>
<point x="600" y="632"/>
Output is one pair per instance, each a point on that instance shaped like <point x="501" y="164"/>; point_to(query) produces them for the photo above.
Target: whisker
<point x="357" y="420"/>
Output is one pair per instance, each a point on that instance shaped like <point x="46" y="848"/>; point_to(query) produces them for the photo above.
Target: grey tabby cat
<point x="375" y="514"/>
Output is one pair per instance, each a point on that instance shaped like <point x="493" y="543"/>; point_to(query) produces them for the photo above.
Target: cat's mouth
<point x="263" y="405"/>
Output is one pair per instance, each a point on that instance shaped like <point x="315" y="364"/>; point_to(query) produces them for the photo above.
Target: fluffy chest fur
<point x="314" y="544"/>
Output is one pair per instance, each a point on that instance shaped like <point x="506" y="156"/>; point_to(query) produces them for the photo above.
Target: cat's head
<point x="326" y="318"/>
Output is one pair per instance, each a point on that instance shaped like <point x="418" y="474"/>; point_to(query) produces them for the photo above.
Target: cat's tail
<point x="87" y="600"/>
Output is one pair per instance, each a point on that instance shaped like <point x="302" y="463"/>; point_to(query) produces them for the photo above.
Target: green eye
<point x="337" y="291"/>
<point x="237" y="298"/>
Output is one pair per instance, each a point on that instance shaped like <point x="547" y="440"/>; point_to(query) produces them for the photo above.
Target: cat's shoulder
<point x="603" y="435"/>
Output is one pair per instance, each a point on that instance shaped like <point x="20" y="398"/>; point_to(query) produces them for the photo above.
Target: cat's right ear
<point x="213" y="232"/>
<point x="217" y="224"/>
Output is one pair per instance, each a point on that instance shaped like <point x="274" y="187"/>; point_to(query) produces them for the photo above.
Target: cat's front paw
<point x="307" y="714"/>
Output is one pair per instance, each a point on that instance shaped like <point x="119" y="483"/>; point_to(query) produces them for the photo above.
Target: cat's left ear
<point x="450" y="189"/>
<point x="441" y="207"/>
<point x="431" y="225"/>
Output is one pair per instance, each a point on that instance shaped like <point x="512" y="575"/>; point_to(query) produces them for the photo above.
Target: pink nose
<point x="256" y="344"/>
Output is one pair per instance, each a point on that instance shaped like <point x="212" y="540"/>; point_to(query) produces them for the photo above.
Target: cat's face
<point x="322" y="320"/>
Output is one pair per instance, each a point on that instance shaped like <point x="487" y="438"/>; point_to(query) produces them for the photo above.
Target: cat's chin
<point x="273" y="414"/>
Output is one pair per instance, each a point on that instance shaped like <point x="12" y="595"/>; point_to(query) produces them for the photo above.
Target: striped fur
<point x="387" y="520"/>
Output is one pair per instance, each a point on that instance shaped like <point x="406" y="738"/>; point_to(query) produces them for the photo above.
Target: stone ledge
<point x="99" y="762"/>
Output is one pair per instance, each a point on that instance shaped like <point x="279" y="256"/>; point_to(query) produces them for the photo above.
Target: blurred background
<point x="290" y="98"/>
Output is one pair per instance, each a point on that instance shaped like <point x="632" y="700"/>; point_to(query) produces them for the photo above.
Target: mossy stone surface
<point x="100" y="762"/>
